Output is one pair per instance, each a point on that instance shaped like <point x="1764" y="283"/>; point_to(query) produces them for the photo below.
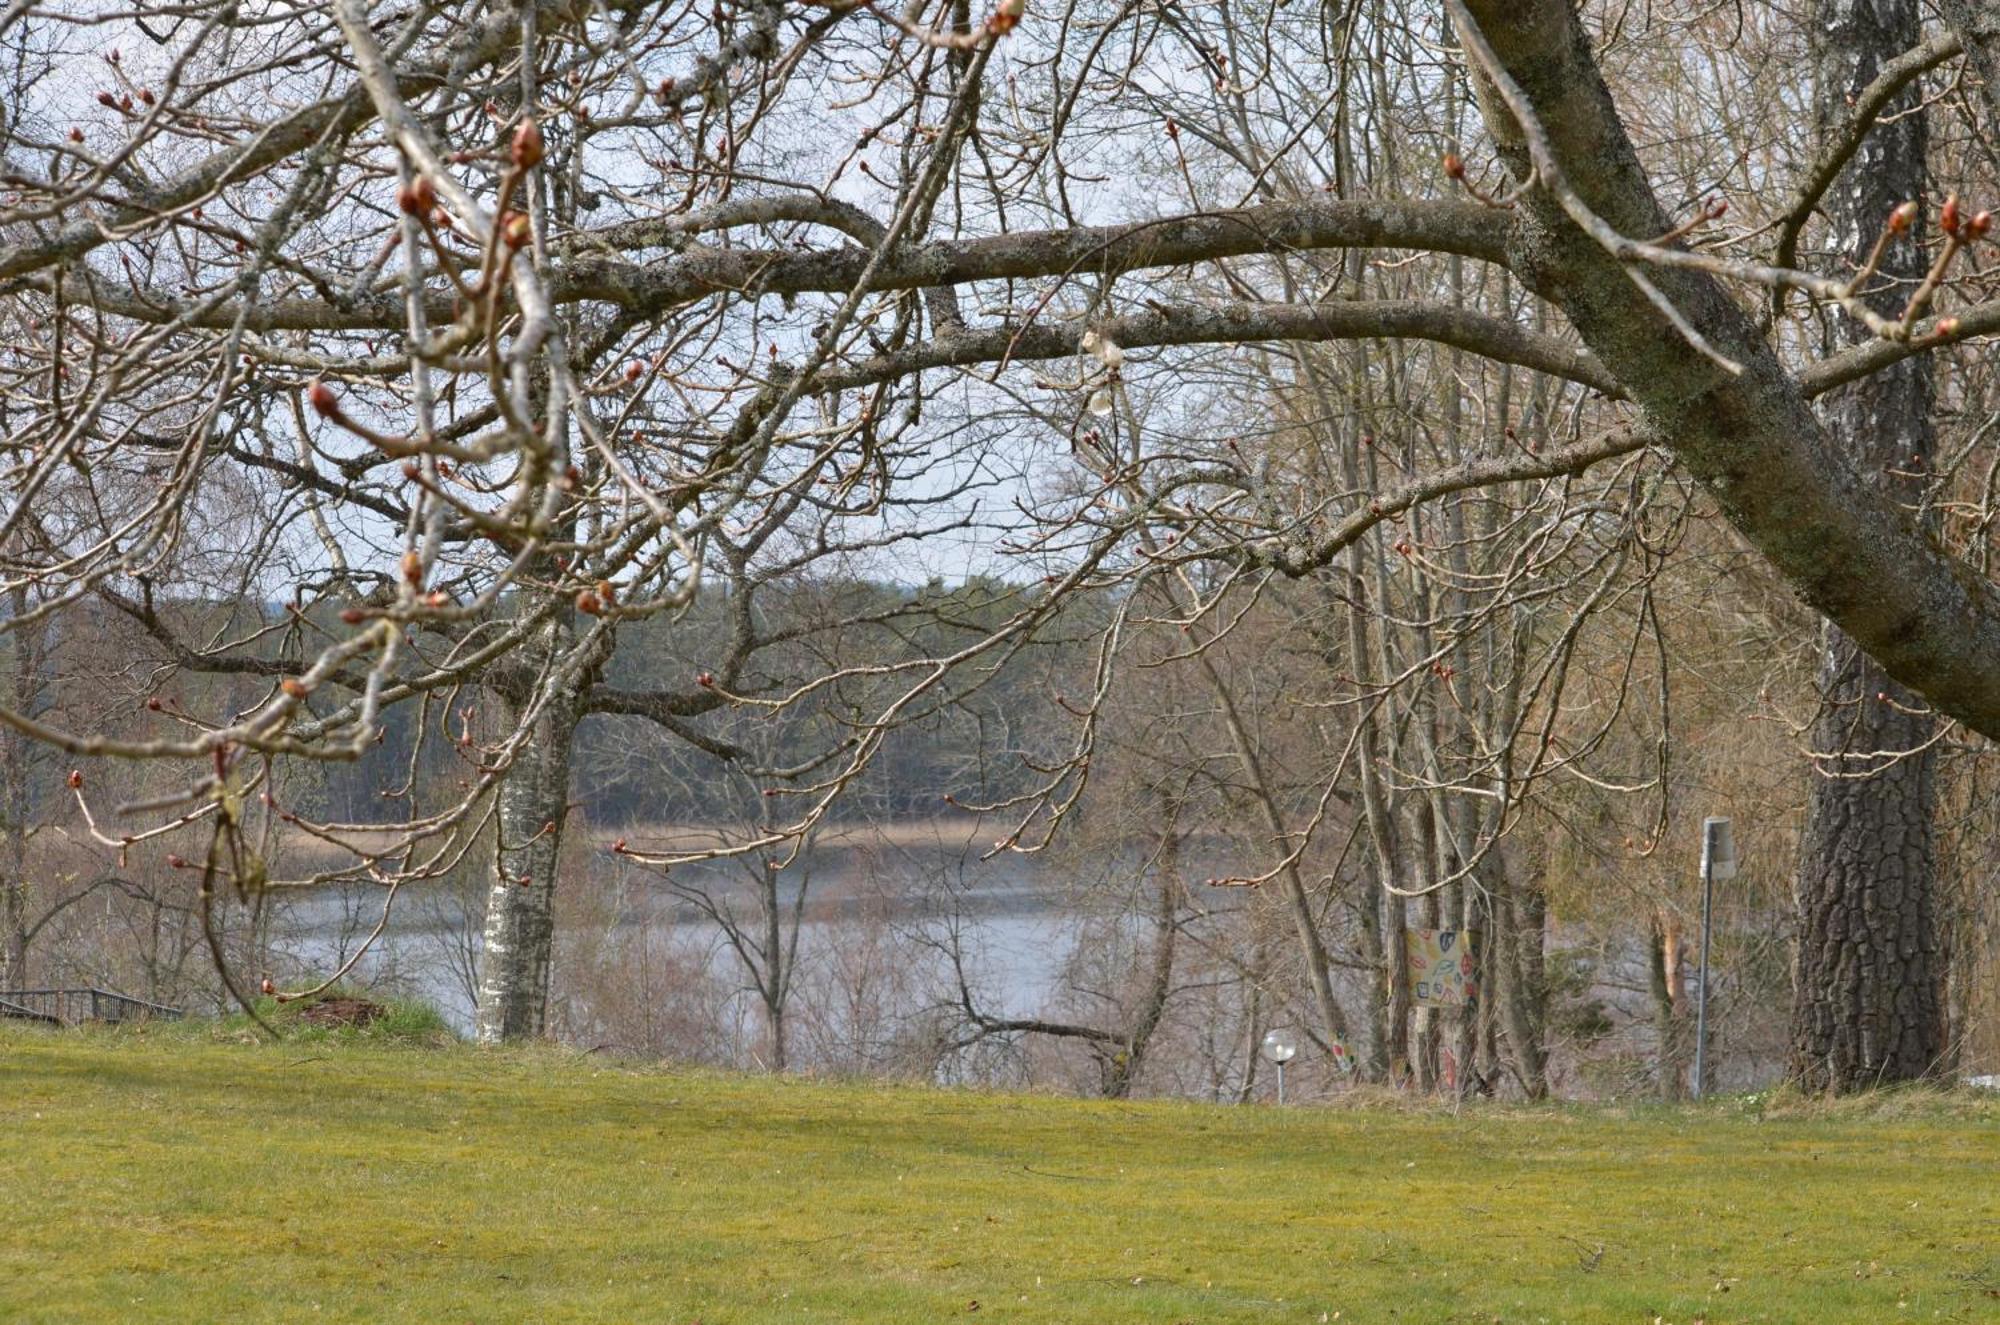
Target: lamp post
<point x="1718" y="861"/>
<point x="1280" y="1048"/>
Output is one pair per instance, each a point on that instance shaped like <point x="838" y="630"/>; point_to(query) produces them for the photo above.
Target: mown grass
<point x="198" y="1176"/>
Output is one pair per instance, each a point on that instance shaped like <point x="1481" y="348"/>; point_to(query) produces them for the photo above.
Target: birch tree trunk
<point x="518" y="950"/>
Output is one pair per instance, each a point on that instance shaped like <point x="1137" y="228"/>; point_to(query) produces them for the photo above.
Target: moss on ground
<point x="191" y="1175"/>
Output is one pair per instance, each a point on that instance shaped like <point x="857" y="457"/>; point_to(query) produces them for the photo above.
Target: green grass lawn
<point x="182" y="1176"/>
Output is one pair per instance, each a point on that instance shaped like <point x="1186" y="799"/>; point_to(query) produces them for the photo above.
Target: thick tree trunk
<point x="1868" y="989"/>
<point x="1977" y="23"/>
<point x="1867" y="994"/>
<point x="1748" y="437"/>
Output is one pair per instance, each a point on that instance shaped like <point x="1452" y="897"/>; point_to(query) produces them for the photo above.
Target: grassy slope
<point x="168" y="1177"/>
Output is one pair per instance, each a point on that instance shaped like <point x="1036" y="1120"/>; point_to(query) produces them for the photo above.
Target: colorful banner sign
<point x="1444" y="967"/>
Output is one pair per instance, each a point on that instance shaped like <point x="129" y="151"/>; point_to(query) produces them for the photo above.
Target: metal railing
<point x="68" y="1007"/>
<point x="22" y="1013"/>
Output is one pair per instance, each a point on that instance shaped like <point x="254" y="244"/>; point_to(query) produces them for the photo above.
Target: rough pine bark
<point x="1868" y="984"/>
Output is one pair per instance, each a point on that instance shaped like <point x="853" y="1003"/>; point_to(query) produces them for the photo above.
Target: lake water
<point x="1016" y="929"/>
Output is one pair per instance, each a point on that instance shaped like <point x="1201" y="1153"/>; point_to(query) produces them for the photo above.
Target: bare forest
<point x="1015" y="543"/>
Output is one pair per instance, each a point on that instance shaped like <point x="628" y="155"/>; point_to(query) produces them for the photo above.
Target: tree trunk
<point x="19" y="757"/>
<point x="1319" y="966"/>
<point x="1520" y="984"/>
<point x="1669" y="989"/>
<point x="519" y="948"/>
<point x="1124" y="1068"/>
<point x="1867" y="993"/>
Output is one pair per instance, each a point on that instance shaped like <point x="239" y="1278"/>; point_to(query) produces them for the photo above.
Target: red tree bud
<point x="418" y="197"/>
<point x="320" y="396"/>
<point x="527" y="151"/>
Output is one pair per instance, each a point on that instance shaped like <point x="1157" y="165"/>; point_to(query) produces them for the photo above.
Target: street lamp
<point x="1718" y="861"/>
<point x="1280" y="1048"/>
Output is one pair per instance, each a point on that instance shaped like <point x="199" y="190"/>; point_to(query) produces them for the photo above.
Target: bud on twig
<point x="418" y="197"/>
<point x="527" y="150"/>
<point x="320" y="396"/>
<point x="1902" y="218"/>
